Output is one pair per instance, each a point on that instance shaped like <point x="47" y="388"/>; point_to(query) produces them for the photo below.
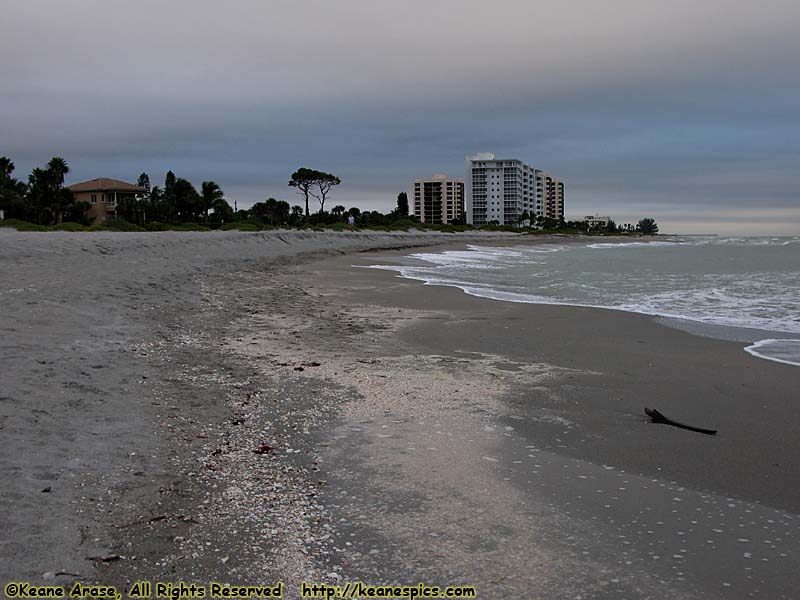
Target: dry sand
<point x="110" y="378"/>
<point x="404" y="432"/>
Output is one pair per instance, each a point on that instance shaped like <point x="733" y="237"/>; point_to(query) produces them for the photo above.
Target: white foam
<point x="775" y="310"/>
<point x="609" y="245"/>
<point x="744" y="241"/>
<point x="545" y="249"/>
<point x="786" y="351"/>
<point x="732" y="294"/>
<point x="710" y="306"/>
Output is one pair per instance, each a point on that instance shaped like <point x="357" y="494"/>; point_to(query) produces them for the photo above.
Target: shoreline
<point x="641" y="333"/>
<point x="696" y="326"/>
<point x="582" y="414"/>
<point x="399" y="418"/>
<point x="564" y="403"/>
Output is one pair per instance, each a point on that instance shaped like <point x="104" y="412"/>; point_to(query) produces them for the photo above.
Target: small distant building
<point x="596" y="221"/>
<point x="439" y="199"/>
<point x="104" y="196"/>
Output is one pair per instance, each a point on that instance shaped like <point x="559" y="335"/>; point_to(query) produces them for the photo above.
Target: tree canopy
<point x="324" y="183"/>
<point x="144" y="181"/>
<point x="647" y="226"/>
<point x="402" y="204"/>
<point x="274" y="212"/>
<point x="310" y="182"/>
<point x="12" y="192"/>
<point x="303" y="179"/>
<point x="48" y="199"/>
<point x="211" y="198"/>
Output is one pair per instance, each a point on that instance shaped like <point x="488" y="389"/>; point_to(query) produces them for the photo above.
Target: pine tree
<point x="402" y="204"/>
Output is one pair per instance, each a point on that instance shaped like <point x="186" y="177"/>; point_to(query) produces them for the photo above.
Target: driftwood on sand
<point x="657" y="417"/>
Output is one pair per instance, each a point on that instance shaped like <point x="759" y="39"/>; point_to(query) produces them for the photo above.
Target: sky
<point x="688" y="112"/>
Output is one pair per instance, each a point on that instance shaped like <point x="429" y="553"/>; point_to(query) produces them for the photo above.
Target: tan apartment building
<point x="439" y="199"/>
<point x="104" y="195"/>
<point x="554" y="198"/>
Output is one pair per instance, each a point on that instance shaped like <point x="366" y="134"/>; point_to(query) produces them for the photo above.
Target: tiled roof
<point x="104" y="184"/>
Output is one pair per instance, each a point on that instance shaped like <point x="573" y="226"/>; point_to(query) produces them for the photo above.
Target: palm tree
<point x="338" y="211"/>
<point x="12" y="192"/>
<point x="210" y="196"/>
<point x="58" y="169"/>
<point x="61" y="199"/>
<point x="6" y="167"/>
<point x="48" y="197"/>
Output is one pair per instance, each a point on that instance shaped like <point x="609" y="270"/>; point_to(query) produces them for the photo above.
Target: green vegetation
<point x="648" y="226"/>
<point x="243" y="226"/>
<point x="402" y="205"/>
<point x="70" y="226"/>
<point x="43" y="200"/>
<point x="313" y="183"/>
<point x="22" y="225"/>
<point x="44" y="204"/>
<point x="119" y="225"/>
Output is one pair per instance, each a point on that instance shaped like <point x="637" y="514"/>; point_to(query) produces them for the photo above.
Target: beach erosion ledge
<point x="250" y="406"/>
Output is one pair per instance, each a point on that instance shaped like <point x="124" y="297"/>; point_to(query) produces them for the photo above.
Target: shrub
<point x="117" y="224"/>
<point x="335" y="226"/>
<point x="189" y="227"/>
<point x="156" y="226"/>
<point x="70" y="226"/>
<point x="248" y="225"/>
<point x="21" y="225"/>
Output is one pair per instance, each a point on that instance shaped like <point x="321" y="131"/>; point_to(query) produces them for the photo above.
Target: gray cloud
<point x="641" y="106"/>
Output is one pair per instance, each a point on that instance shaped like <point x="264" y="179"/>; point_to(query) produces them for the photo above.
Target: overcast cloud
<point x="685" y="111"/>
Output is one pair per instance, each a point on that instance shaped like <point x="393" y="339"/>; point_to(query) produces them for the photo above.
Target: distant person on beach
<point x="351" y="220"/>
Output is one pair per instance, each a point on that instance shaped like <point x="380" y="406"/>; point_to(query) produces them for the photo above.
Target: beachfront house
<point x="596" y="221"/>
<point x="104" y="195"/>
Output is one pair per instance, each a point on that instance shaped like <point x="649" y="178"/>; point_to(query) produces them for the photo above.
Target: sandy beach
<point x="257" y="407"/>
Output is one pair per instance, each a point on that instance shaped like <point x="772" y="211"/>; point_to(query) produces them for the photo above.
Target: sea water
<point x="742" y="282"/>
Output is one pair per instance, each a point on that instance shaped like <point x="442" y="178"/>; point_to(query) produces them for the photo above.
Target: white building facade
<point x="502" y="190"/>
<point x="596" y="221"/>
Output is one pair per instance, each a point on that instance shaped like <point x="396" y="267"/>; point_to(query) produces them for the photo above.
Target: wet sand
<point x="402" y="432"/>
<point x="549" y="466"/>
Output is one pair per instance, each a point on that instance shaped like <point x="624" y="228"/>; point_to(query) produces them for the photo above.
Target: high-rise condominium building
<point x="502" y="190"/>
<point x="554" y="198"/>
<point x="439" y="199"/>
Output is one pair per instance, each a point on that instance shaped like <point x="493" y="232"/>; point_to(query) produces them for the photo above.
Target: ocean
<point x="751" y="283"/>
